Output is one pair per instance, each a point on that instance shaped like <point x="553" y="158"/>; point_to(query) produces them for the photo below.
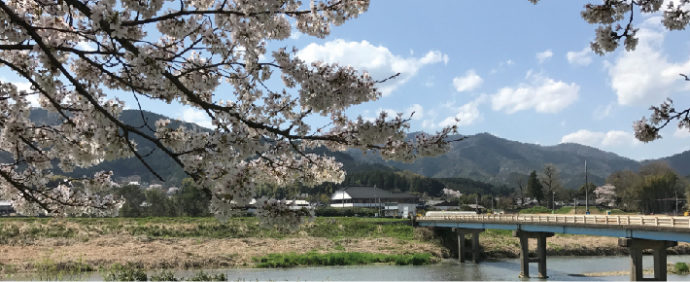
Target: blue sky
<point x="516" y="70"/>
<point x="510" y="68"/>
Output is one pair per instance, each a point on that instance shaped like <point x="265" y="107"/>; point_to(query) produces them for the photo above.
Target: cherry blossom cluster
<point x="615" y="20"/>
<point x="80" y="56"/>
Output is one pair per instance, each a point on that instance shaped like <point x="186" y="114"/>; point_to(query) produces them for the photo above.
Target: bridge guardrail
<point x="608" y="220"/>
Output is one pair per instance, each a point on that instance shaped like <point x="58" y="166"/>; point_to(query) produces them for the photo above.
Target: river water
<point x="559" y="268"/>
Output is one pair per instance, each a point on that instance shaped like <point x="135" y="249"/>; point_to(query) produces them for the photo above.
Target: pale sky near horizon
<point x="510" y="68"/>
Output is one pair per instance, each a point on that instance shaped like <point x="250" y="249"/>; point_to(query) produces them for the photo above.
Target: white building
<point x="401" y="204"/>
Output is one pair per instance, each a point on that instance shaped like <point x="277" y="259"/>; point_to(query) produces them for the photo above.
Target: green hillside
<point x="488" y="158"/>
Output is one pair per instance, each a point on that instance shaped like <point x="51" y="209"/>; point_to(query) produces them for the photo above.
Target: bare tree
<point x="551" y="183"/>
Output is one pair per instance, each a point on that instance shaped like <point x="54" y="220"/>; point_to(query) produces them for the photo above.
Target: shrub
<point x="128" y="272"/>
<point x="203" y="276"/>
<point x="536" y="209"/>
<point x="163" y="276"/>
<point x="330" y="259"/>
<point x="681" y="268"/>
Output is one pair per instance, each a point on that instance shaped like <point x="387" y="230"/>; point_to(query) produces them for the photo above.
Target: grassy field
<point x="56" y="247"/>
<point x="27" y="229"/>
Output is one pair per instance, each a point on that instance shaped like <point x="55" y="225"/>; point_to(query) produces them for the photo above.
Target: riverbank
<point x="69" y="245"/>
<point x="73" y="245"/>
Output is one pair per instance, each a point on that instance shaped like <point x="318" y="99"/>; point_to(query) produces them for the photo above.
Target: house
<point x="6" y="207"/>
<point x="298" y="204"/>
<point x="393" y="204"/>
<point x="366" y="197"/>
<point x="442" y="205"/>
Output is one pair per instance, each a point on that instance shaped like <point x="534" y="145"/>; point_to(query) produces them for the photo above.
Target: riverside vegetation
<point x="134" y="248"/>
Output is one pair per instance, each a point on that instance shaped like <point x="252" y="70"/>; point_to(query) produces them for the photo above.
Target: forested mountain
<point x="488" y="158"/>
<point x="158" y="160"/>
<point x="480" y="158"/>
<point x="679" y="162"/>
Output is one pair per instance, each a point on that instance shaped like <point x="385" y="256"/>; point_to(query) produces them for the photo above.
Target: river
<point x="559" y="268"/>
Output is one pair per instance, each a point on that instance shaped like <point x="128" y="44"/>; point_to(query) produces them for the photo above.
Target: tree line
<point x="654" y="188"/>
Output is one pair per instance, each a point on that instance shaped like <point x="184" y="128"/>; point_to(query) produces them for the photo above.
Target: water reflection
<point x="559" y="268"/>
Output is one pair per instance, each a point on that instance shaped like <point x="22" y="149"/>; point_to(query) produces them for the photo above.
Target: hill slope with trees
<point x="492" y="159"/>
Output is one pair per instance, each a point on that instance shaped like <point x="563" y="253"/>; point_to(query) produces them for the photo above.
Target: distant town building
<point x="368" y="197"/>
<point x="172" y="191"/>
<point x="298" y="204"/>
<point x="391" y="204"/>
<point x="6" y="207"/>
<point x="155" y="186"/>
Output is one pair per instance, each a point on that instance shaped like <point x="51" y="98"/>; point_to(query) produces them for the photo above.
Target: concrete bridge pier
<point x="524" y="252"/>
<point x="465" y="246"/>
<point x="658" y="247"/>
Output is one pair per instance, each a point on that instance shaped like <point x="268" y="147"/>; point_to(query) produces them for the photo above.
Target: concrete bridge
<point x="637" y="233"/>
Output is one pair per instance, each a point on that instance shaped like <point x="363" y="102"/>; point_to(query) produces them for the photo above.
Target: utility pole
<point x="553" y="202"/>
<point x="675" y="194"/>
<point x="476" y="204"/>
<point x="586" y="190"/>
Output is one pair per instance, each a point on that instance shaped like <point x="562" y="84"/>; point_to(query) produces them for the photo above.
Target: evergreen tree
<point x="534" y="187"/>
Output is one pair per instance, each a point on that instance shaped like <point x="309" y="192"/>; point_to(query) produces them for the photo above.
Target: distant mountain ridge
<point x="481" y="157"/>
<point x="492" y="159"/>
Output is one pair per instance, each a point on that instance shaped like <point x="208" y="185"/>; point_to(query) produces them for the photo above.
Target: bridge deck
<point x="633" y="226"/>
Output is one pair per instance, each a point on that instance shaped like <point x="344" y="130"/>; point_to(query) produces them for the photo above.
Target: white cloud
<point x="295" y="34"/>
<point x="613" y="138"/>
<point x="467" y="82"/>
<point x="24" y="86"/>
<point x="543" y="56"/>
<point x="198" y="117"/>
<point x="417" y="109"/>
<point x="541" y="93"/>
<point x="645" y="76"/>
<point x="377" y="60"/>
<point x="618" y="138"/>
<point x="467" y="114"/>
<point x="681" y="133"/>
<point x="580" y="58"/>
<point x="86" y="46"/>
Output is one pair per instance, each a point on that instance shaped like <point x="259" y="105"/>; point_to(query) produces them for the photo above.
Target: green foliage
<point x="26" y="229"/>
<point x="47" y="269"/>
<point x="681" y="268"/>
<point x="164" y="275"/>
<point x="536" y="209"/>
<point x="203" y="276"/>
<point x="191" y="200"/>
<point x="127" y="272"/>
<point x="402" y="181"/>
<point x="139" y="202"/>
<point x="316" y="259"/>
<point x="134" y="197"/>
<point x="534" y="188"/>
<point x="651" y="190"/>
